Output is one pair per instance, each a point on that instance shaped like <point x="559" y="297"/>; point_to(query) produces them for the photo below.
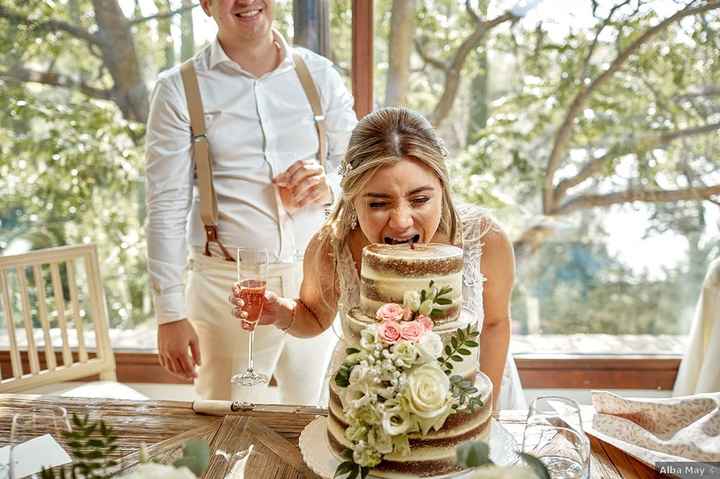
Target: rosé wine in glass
<point x="252" y="262"/>
<point x="252" y="292"/>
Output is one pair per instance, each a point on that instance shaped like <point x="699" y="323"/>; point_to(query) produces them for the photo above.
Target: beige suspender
<point x="201" y="150"/>
<point x="314" y="98"/>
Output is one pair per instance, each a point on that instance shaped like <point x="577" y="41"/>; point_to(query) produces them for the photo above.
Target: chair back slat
<point x="54" y="291"/>
<point x="39" y="281"/>
<point x="15" y="363"/>
<point x="77" y="316"/>
<point x="60" y="308"/>
<point x="27" y="320"/>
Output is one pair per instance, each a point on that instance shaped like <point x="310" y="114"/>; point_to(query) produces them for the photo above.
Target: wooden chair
<point x="54" y="313"/>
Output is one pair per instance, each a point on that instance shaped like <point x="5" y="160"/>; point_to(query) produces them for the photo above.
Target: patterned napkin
<point x="673" y="429"/>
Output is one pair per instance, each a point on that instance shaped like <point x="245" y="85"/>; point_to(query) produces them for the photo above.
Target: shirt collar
<point x="218" y="55"/>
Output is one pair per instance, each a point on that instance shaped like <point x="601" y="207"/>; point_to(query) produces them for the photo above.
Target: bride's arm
<point x="498" y="267"/>
<point x="314" y="311"/>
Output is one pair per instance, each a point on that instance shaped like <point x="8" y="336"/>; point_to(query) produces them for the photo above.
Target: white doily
<point x="315" y="449"/>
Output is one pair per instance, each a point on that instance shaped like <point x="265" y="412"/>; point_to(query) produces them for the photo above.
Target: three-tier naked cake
<point x="388" y="272"/>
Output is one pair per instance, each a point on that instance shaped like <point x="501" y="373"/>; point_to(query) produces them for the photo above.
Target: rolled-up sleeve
<point x="340" y="120"/>
<point x="168" y="171"/>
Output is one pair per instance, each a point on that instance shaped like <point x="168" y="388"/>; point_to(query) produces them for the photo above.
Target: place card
<point x="32" y="456"/>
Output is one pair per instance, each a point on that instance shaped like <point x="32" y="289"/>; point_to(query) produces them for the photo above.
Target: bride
<point x="396" y="189"/>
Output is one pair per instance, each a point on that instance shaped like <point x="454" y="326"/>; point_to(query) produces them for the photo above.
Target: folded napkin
<point x="682" y="428"/>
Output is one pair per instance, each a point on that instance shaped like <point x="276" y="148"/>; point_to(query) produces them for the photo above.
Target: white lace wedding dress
<point x="475" y="224"/>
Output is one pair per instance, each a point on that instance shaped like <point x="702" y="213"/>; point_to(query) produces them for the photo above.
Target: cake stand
<point x="316" y="453"/>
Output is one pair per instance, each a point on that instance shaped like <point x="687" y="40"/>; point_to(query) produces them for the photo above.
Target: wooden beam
<point x="362" y="56"/>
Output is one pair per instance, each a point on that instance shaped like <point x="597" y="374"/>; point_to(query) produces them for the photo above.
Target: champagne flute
<point x="33" y="423"/>
<point x="554" y="434"/>
<point x="254" y="262"/>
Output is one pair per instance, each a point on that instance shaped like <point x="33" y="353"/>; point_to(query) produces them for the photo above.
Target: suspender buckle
<point x="199" y="138"/>
<point x="319" y="118"/>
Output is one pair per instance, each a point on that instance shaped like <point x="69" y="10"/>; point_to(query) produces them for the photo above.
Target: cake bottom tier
<point x="430" y="455"/>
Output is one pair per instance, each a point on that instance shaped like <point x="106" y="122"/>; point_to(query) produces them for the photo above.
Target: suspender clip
<point x="319" y="118"/>
<point x="199" y="138"/>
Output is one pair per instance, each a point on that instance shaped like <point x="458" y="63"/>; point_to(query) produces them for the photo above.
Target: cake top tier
<point x="420" y="260"/>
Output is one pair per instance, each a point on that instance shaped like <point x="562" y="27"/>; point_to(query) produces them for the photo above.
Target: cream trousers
<point x="297" y="364"/>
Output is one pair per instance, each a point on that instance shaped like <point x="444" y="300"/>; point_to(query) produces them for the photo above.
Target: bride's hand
<point x="272" y="308"/>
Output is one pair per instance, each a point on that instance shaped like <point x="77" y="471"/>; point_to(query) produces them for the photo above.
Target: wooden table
<point x="164" y="426"/>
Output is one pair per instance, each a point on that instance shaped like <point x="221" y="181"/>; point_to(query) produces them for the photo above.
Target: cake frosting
<point x="387" y="273"/>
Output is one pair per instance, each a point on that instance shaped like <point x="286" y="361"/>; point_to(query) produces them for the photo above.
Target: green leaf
<point x="443" y="301"/>
<point x="344" y="468"/>
<point x="444" y="290"/>
<point x="457" y="358"/>
<point x="471" y="344"/>
<point x="422" y="296"/>
<point x="448" y="350"/>
<point x="349" y="351"/>
<point x="464" y="352"/>
<point x="473" y="454"/>
<point x="432" y="282"/>
<point x="536" y="465"/>
<point x="454" y="342"/>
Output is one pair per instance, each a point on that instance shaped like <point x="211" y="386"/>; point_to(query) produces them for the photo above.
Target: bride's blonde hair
<point x="383" y="138"/>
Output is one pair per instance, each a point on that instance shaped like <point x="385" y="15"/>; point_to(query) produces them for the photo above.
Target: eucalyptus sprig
<point x="460" y="341"/>
<point x="433" y="296"/>
<point x="349" y="468"/>
<point x="91" y="443"/>
<point x="466" y="393"/>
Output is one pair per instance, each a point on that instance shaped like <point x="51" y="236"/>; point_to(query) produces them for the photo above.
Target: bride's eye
<point x="420" y="200"/>
<point x="377" y="204"/>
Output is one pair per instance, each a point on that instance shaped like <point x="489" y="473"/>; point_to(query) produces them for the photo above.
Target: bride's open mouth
<point x="250" y="14"/>
<point x="413" y="239"/>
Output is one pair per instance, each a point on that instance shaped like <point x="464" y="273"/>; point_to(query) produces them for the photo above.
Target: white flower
<point x="366" y="456"/>
<point x="367" y="414"/>
<point x="428" y="396"/>
<point x="369" y="337"/>
<point x="411" y="299"/>
<point x="404" y="353"/>
<point x="356" y="432"/>
<point x="151" y="470"/>
<point x="497" y="472"/>
<point x="430" y="347"/>
<point x="358" y="395"/>
<point x="396" y="421"/>
<point x="426" y="307"/>
<point x="378" y="440"/>
<point x="360" y="374"/>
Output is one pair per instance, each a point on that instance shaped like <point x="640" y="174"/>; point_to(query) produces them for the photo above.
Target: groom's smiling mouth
<point x="413" y="239"/>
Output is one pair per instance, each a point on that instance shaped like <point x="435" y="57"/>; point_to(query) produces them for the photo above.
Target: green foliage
<point x="466" y="393"/>
<point x="91" y="444"/>
<point x="458" y="346"/>
<point x="196" y="456"/>
<point x="473" y="454"/>
<point x="349" y="469"/>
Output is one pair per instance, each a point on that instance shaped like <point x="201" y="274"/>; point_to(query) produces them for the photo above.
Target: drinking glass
<point x="251" y="262"/>
<point x="554" y="434"/>
<point x="36" y="422"/>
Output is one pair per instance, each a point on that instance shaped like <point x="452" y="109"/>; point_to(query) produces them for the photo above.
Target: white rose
<point x="366" y="456"/>
<point x="159" y="471"/>
<point x="359" y="374"/>
<point x="497" y="472"/>
<point x="411" y="299"/>
<point x="428" y="395"/>
<point x="430" y="347"/>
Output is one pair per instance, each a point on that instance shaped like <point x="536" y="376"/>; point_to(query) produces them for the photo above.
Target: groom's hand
<point x="174" y="339"/>
<point x="304" y="183"/>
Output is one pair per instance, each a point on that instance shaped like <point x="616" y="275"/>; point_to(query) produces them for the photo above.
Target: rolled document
<point x="223" y="408"/>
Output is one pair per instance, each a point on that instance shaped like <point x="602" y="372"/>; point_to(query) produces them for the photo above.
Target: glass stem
<point x="251" y="337"/>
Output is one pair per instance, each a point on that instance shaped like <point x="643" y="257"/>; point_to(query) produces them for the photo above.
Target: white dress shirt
<point x="256" y="128"/>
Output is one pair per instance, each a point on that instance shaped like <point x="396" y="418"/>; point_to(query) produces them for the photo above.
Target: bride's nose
<point x="401" y="219"/>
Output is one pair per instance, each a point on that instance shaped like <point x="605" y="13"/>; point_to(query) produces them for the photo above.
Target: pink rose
<point x="412" y="330"/>
<point x="390" y="312"/>
<point x="407" y="314"/>
<point x="426" y="322"/>
<point x="389" y="332"/>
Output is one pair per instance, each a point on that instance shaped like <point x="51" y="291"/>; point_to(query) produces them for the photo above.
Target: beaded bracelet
<point x="292" y="318"/>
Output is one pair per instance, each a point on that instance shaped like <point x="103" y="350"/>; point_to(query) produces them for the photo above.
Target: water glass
<point x="554" y="434"/>
<point x="33" y="423"/>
